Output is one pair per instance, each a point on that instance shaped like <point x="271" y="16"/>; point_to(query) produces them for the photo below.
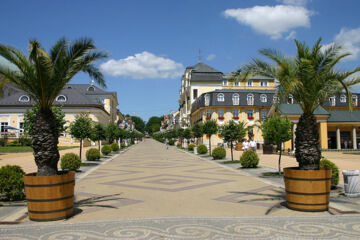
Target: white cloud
<point x="291" y="35"/>
<point x="350" y="40"/>
<point x="143" y="65"/>
<point x="293" y="2"/>
<point x="272" y="20"/>
<point x="210" y="57"/>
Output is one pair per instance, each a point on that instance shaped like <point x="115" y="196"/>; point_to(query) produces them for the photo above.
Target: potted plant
<point x="42" y="75"/>
<point x="311" y="78"/>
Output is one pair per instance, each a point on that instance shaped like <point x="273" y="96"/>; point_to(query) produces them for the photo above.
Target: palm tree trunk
<point x="307" y="145"/>
<point x="231" y="145"/>
<point x="45" y="139"/>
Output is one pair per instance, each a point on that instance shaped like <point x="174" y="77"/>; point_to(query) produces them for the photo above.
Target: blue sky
<point x="151" y="42"/>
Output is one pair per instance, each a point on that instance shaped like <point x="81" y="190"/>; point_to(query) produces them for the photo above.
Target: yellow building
<point x="74" y="98"/>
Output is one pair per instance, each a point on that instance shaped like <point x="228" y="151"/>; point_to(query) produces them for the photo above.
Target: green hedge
<point x="106" y="150"/>
<point x="12" y="183"/>
<point x="219" y="153"/>
<point x="178" y="145"/>
<point x="115" y="147"/>
<point x="93" y="154"/>
<point x="249" y="159"/>
<point x="191" y="147"/>
<point x="70" y="161"/>
<point x="123" y="145"/>
<point x="202" y="149"/>
<point x="171" y="142"/>
<point x="327" y="164"/>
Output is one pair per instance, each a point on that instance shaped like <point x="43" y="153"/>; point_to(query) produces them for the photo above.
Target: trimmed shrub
<point x="14" y="143"/>
<point x="202" y="149"/>
<point x="191" y="147"/>
<point x="115" y="147"/>
<point x="327" y="164"/>
<point x="249" y="159"/>
<point x="123" y="145"/>
<point x="70" y="161"/>
<point x="106" y="150"/>
<point x="219" y="153"/>
<point x="12" y="183"/>
<point x="171" y="142"/>
<point x="93" y="154"/>
<point x="25" y="141"/>
<point x="178" y="145"/>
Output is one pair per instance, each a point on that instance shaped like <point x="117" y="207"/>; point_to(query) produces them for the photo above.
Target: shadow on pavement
<point x="98" y="201"/>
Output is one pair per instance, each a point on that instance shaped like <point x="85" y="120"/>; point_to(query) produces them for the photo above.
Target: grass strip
<point x="18" y="149"/>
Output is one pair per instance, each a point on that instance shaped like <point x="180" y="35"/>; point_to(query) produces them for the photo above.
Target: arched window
<point x="332" y="101"/>
<point x="207" y="100"/>
<point x="343" y="98"/>
<point x="250" y="99"/>
<point x="236" y="99"/>
<point x="290" y="99"/>
<point x="91" y="89"/>
<point x="263" y="98"/>
<point x="220" y="97"/>
<point x="275" y="99"/>
<point x="355" y="100"/>
<point x="24" y="98"/>
<point x="61" y="98"/>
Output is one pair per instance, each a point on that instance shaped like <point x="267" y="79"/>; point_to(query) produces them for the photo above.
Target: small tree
<point x="233" y="132"/>
<point x="112" y="132"/>
<point x="81" y="128"/>
<point x="210" y="127"/>
<point x="98" y="133"/>
<point x="277" y="130"/>
<point x="179" y="133"/>
<point x="198" y="131"/>
<point x="187" y="134"/>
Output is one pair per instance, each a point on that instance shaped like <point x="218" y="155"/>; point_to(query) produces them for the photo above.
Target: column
<point x="323" y="135"/>
<point x="354" y="138"/>
<point x="338" y="142"/>
<point x="294" y="135"/>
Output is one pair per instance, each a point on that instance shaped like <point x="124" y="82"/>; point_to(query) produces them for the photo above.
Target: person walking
<point x="245" y="145"/>
<point x="167" y="143"/>
<point x="252" y="144"/>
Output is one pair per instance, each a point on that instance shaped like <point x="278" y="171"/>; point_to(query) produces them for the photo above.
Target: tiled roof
<point x="344" y="116"/>
<point x="295" y="109"/>
<point x="201" y="67"/>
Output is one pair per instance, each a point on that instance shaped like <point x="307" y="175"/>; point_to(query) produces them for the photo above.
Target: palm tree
<point x="43" y="75"/>
<point x="311" y="78"/>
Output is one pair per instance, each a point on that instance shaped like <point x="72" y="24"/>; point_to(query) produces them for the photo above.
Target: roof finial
<point x="200" y="55"/>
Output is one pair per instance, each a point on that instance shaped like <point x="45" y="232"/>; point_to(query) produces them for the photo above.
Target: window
<point x="225" y="82"/>
<point x="290" y="99"/>
<point x="250" y="99"/>
<point x="235" y="113"/>
<point x="237" y="83"/>
<point x="91" y="89"/>
<point x="263" y="113"/>
<point x="195" y="93"/>
<point x="207" y="100"/>
<point x="221" y="113"/>
<point x="3" y="124"/>
<point x="21" y="127"/>
<point x="236" y="99"/>
<point x="250" y="114"/>
<point x="332" y="101"/>
<point x="208" y="114"/>
<point x="61" y="98"/>
<point x="275" y="99"/>
<point x="264" y="83"/>
<point x="24" y="98"/>
<point x="263" y="98"/>
<point x="343" y="98"/>
<point x="249" y="83"/>
<point x="220" y="97"/>
<point x="355" y="100"/>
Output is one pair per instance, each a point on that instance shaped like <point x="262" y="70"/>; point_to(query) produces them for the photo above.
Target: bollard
<point x="351" y="183"/>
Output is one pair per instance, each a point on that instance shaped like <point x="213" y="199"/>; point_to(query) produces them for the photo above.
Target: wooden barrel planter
<point x="50" y="198"/>
<point x="307" y="190"/>
<point x="238" y="146"/>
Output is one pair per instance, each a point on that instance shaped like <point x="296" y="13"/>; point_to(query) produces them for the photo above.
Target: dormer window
<point x="332" y="101"/>
<point x="24" y="98"/>
<point x="225" y="82"/>
<point x="264" y="83"/>
<point x="220" y="97"/>
<point x="343" y="98"/>
<point x="91" y="89"/>
<point x="250" y="99"/>
<point x="236" y="99"/>
<point x="290" y="99"/>
<point x="263" y="98"/>
<point x="207" y="100"/>
<point x="61" y="98"/>
<point x="237" y="83"/>
<point x="275" y="99"/>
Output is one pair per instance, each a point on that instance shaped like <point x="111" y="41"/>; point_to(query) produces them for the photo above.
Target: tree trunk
<point x="80" y="148"/>
<point x="99" y="144"/>
<point x="280" y="159"/>
<point x="210" y="145"/>
<point x="231" y="145"/>
<point x="45" y="139"/>
<point x="307" y="145"/>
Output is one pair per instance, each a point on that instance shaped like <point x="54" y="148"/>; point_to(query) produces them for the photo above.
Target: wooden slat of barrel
<point x="307" y="190"/>
<point x="238" y="146"/>
<point x="50" y="197"/>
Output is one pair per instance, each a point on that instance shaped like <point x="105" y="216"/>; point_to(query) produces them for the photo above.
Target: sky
<point x="150" y="43"/>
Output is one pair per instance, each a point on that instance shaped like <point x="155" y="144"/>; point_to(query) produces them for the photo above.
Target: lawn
<point x="25" y="149"/>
